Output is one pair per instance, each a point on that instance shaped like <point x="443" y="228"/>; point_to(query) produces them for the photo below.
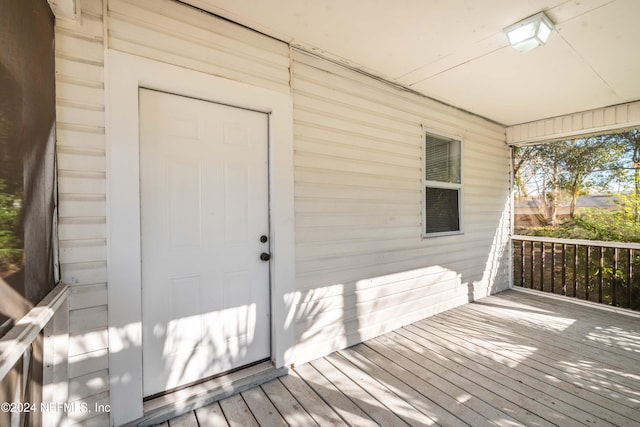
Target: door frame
<point x="125" y="75"/>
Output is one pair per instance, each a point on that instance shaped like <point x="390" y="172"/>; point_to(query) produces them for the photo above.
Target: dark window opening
<point x="442" y="215"/>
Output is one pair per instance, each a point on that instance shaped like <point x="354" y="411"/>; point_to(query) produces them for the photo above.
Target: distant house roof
<point x="592" y="201"/>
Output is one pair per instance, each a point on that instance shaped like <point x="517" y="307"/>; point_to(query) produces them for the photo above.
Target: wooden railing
<point x="41" y="333"/>
<point x="604" y="272"/>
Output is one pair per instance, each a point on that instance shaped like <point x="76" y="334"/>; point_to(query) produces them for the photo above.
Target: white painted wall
<point x="361" y="265"/>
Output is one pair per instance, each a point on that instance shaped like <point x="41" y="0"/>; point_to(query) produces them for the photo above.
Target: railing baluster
<point x="542" y="266"/>
<point x="586" y="276"/>
<point x="532" y="262"/>
<point x="614" y="278"/>
<point x="553" y="268"/>
<point x="600" y="275"/>
<point x="575" y="271"/>
<point x="629" y="276"/>
<point x="522" y="264"/>
<point x="564" y="269"/>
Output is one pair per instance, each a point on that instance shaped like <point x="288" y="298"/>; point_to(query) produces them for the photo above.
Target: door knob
<point x="265" y="256"/>
<point x="263" y="239"/>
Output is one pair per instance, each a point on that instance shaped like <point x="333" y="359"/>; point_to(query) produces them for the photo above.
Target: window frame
<point x="440" y="184"/>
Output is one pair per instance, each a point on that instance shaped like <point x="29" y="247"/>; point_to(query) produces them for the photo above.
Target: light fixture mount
<point x="529" y="33"/>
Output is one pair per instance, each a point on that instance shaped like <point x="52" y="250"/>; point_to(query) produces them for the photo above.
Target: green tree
<point x="629" y="142"/>
<point x="567" y="169"/>
<point x="589" y="163"/>
<point x="10" y="242"/>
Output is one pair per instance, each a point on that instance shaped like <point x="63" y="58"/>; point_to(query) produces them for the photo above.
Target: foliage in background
<point x="559" y="172"/>
<point x="563" y="170"/>
<point x="615" y="226"/>
<point x="11" y="247"/>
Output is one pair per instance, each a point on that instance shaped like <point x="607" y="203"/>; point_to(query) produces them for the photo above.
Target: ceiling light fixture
<point x="529" y="33"/>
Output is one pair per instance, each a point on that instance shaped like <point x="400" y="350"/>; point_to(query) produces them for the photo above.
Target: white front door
<point x="204" y="209"/>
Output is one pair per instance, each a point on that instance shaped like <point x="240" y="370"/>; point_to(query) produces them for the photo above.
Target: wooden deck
<point x="513" y="359"/>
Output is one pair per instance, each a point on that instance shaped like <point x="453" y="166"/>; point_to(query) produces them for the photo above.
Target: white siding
<point x="81" y="186"/>
<point x="362" y="267"/>
<point x="171" y="32"/>
<point x="595" y="121"/>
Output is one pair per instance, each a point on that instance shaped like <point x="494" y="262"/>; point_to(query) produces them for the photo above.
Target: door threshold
<point x="176" y="403"/>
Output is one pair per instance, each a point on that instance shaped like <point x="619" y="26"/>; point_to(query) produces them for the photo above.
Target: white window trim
<point x="439" y="184"/>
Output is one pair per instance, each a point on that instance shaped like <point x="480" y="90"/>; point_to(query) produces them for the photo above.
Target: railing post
<point x="55" y="378"/>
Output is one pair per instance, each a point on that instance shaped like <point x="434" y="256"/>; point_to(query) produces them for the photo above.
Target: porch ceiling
<point x="455" y="50"/>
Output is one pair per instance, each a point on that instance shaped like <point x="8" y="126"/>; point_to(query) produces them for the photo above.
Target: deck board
<point x="211" y="416"/>
<point x="186" y="420"/>
<point x="380" y="391"/>
<point x="237" y="413"/>
<point x="354" y="390"/>
<point x="516" y="380"/>
<point x="334" y="397"/>
<point x="287" y="405"/>
<point x="262" y="408"/>
<point x="318" y="409"/>
<point x="399" y="380"/>
<point x="477" y="379"/>
<point x="581" y="384"/>
<point x="512" y="359"/>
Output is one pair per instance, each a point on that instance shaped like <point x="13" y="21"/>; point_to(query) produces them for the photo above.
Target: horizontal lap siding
<point x="362" y="267"/>
<point x="174" y="33"/>
<point x="82" y="235"/>
<point x="599" y="120"/>
<point x="162" y="30"/>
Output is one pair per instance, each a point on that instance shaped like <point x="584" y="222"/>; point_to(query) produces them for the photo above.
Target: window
<point x="442" y="185"/>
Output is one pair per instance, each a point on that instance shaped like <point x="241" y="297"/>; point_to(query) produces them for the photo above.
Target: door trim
<point x="125" y="75"/>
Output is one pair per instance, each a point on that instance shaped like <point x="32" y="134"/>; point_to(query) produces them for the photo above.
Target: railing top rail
<point x="20" y="337"/>
<point x="579" y="242"/>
